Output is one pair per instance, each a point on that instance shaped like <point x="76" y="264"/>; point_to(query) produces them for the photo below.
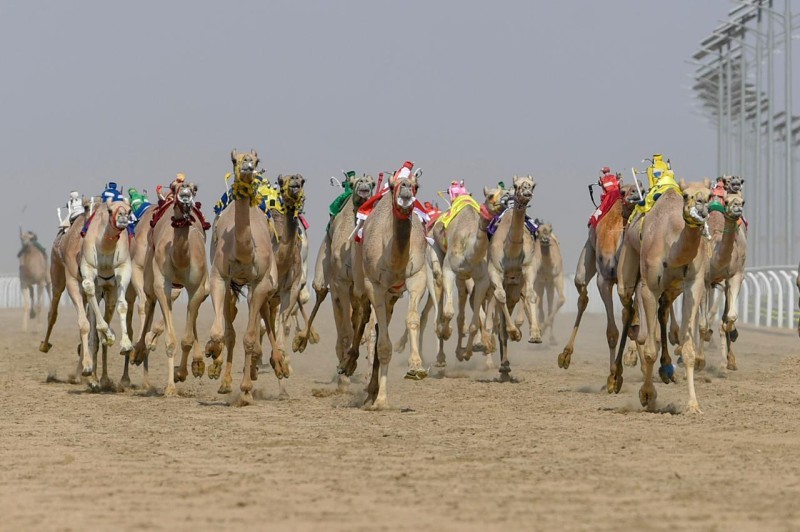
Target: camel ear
<point x="486" y="192"/>
<point x="514" y="181"/>
<point x="254" y="153"/>
<point x="108" y="202"/>
<point x="233" y="156"/>
<point x="707" y="182"/>
<point x="280" y="180"/>
<point x="682" y="183"/>
<point x="302" y="180"/>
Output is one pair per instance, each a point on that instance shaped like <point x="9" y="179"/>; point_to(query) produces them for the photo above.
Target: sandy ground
<point x="554" y="451"/>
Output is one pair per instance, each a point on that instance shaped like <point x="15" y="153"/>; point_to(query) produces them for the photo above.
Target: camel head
<point x="523" y="191"/>
<point x="734" y="206"/>
<point x="404" y="192"/>
<point x="27" y="238"/>
<point x="732" y="183"/>
<point x="184" y="194"/>
<point x="493" y="203"/>
<point x="695" y="201"/>
<point x="119" y="214"/>
<point x="362" y="188"/>
<point x="292" y="193"/>
<point x="630" y="197"/>
<point x="244" y="165"/>
<point x="545" y="233"/>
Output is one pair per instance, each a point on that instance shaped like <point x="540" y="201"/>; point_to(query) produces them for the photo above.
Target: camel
<point x="390" y="260"/>
<point x="287" y="256"/>
<point x="33" y="274"/>
<point x="176" y="258"/>
<point x="241" y="255"/>
<point x="659" y="261"/>
<point x="65" y="272"/>
<point x="335" y="271"/>
<point x="105" y="271"/>
<point x="461" y="248"/>
<point x="725" y="260"/>
<point x="512" y="266"/>
<point x="599" y="257"/>
<point x="549" y="278"/>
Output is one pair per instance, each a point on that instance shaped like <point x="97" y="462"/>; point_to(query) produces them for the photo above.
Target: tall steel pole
<point x="728" y="109"/>
<point x="771" y="181"/>
<point x="742" y="71"/>
<point x="759" y="181"/>
<point x="787" y="35"/>
<point x="720" y="171"/>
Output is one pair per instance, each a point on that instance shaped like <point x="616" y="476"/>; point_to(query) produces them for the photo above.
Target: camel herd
<point x="377" y="247"/>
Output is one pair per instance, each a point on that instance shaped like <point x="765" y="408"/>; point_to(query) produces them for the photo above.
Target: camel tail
<point x="237" y="290"/>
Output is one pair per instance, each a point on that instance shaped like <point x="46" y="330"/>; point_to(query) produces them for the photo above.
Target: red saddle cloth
<point x="165" y="206"/>
<point x="611" y="195"/>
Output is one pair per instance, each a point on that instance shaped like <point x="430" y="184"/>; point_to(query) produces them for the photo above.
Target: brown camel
<point x="725" y="260"/>
<point x="599" y="257"/>
<point x="335" y="271"/>
<point x="105" y="270"/>
<point x="461" y="249"/>
<point x="33" y="274"/>
<point x="65" y="256"/>
<point x="287" y="255"/>
<point x="512" y="267"/>
<point x="176" y="258"/>
<point x="659" y="260"/>
<point x="390" y="260"/>
<point x="241" y="255"/>
<point x="549" y="278"/>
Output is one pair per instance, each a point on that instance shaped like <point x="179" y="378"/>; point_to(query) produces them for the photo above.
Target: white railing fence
<point x="768" y="296"/>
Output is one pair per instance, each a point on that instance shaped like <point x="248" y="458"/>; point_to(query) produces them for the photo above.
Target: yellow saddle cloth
<point x="458" y="205"/>
<point x="666" y="182"/>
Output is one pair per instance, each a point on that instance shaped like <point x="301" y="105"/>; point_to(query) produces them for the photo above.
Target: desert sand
<point x="455" y="452"/>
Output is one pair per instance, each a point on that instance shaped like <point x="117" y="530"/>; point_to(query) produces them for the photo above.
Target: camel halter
<point x="113" y="221"/>
<point x="400" y="215"/>
<point x="242" y="190"/>
<point x="297" y="203"/>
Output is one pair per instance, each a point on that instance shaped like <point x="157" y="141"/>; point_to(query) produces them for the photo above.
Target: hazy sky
<point x="138" y="91"/>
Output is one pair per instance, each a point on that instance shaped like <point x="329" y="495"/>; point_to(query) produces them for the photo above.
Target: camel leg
<point x="587" y="268"/>
<point x="557" y="288"/>
<point x="605" y="288"/>
<point x="361" y="314"/>
<point x="59" y="280"/>
<point x="479" y="290"/>
<point x="26" y="306"/>
<point x="89" y="274"/>
<point x="93" y="343"/>
<point x="288" y="299"/>
<point x="500" y="297"/>
<point x="530" y="302"/>
<point x="160" y="288"/>
<point x="728" y="324"/>
<point x="74" y="289"/>
<point x="647" y="392"/>
<point x="416" y="285"/>
<point x="216" y="338"/>
<point x="444" y="330"/>
<point x="377" y="390"/>
<point x="320" y="285"/>
<point x="189" y="343"/>
<point x="342" y="317"/>
<point x="692" y="295"/>
<point x="229" y="312"/>
<point x="461" y="318"/>
<point x="502" y="340"/>
<point x="109" y="295"/>
<point x="666" y="371"/>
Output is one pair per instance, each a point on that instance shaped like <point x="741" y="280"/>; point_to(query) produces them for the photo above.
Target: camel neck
<point x="288" y="235"/>
<point x="723" y="253"/>
<point x="401" y="242"/>
<point x="107" y="243"/>
<point x="684" y="250"/>
<point x="514" y="240"/>
<point x="243" y="237"/>
<point x="477" y="252"/>
<point x="180" y="241"/>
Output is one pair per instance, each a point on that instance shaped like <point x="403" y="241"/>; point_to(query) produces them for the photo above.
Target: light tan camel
<point x="176" y="258"/>
<point x="599" y="257"/>
<point x="105" y="267"/>
<point x="725" y="260"/>
<point x="241" y="255"/>
<point x="390" y="260"/>
<point x="65" y="258"/>
<point x="33" y="274"/>
<point x="286" y="251"/>
<point x="549" y="279"/>
<point x="461" y="250"/>
<point x="512" y="268"/>
<point x="659" y="260"/>
<point x="335" y="272"/>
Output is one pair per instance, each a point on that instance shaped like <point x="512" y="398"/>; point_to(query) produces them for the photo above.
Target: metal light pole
<point x="770" y="181"/>
<point x="787" y="25"/>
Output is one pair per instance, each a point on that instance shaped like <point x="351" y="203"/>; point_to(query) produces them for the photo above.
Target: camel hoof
<point x="254" y="372"/>
<point x="124" y="383"/>
<point x="279" y="365"/>
<point x="693" y="408"/>
<point x="706" y="335"/>
<point x="614" y="383"/>
<point x="733" y="334"/>
<point x="631" y="358"/>
<point x="314" y="337"/>
<point x="565" y="358"/>
<point x="87" y="371"/>
<point x="44" y="347"/>
<point x="350" y="365"/>
<point x="416" y="374"/>
<point x="106" y="385"/>
<point x="647" y="396"/>
<point x="699" y="364"/>
<point x="515" y="335"/>
<point x="180" y="376"/>
<point x="299" y="343"/>
<point x="198" y="368"/>
<point x="667" y="373"/>
<point x="94" y="387"/>
<point x="224" y="388"/>
<point x="460" y="354"/>
<point x="215" y="369"/>
<point x="732" y="364"/>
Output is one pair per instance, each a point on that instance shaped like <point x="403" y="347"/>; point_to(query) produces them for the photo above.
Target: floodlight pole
<point x="787" y="25"/>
